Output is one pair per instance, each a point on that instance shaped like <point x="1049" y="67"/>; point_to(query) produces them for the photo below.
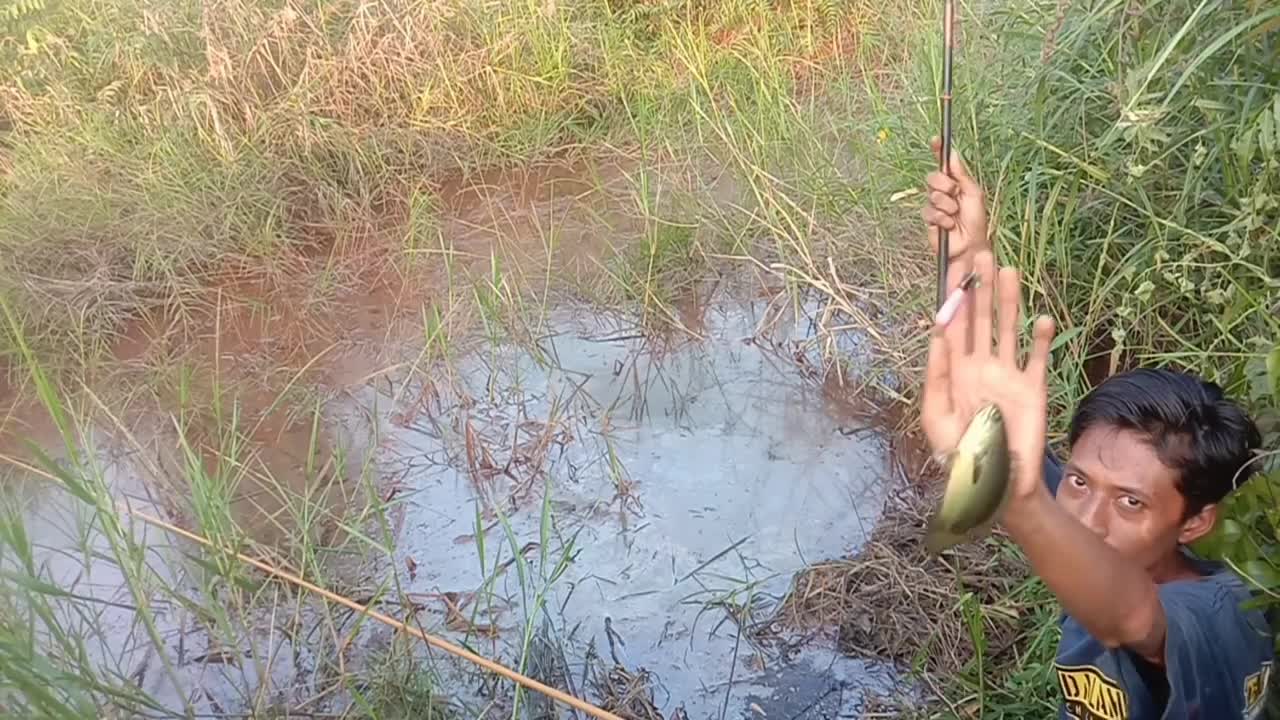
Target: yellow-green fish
<point x="977" y="482"/>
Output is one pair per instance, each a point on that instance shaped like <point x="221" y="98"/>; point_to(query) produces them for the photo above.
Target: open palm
<point x="965" y="371"/>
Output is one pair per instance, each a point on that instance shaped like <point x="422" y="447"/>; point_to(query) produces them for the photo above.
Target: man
<point x="1148" y="630"/>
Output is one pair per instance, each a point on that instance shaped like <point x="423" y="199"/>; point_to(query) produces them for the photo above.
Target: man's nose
<point x="1095" y="515"/>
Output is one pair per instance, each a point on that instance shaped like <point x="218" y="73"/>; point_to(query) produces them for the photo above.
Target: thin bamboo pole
<point x="432" y="640"/>
<point x="291" y="578"/>
<point x="948" y="44"/>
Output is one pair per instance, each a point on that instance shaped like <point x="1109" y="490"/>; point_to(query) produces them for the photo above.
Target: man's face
<point x="1117" y="487"/>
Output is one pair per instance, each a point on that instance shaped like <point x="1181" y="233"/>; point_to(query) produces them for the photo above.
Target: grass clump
<point x="144" y="144"/>
<point x="950" y="619"/>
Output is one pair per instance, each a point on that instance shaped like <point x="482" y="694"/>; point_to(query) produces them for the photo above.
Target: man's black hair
<point x="1195" y="430"/>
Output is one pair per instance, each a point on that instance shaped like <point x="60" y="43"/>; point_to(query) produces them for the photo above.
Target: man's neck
<point x="1175" y="566"/>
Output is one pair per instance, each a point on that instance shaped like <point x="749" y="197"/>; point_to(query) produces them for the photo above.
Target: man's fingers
<point x="956" y="167"/>
<point x="936" y="399"/>
<point x="1038" y="361"/>
<point x="984" y="266"/>
<point x="940" y="182"/>
<point x="944" y="202"/>
<point x="939" y="219"/>
<point x="1009" y="292"/>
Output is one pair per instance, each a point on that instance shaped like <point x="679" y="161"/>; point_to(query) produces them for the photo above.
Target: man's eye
<point x="1131" y="502"/>
<point x="1076" y="480"/>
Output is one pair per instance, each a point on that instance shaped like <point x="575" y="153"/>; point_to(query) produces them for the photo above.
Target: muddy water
<point x="687" y="483"/>
<point x="660" y="492"/>
<point x="180" y="668"/>
<point x="675" y="483"/>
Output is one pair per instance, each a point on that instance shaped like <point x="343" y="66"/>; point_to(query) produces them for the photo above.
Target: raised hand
<point x="960" y="379"/>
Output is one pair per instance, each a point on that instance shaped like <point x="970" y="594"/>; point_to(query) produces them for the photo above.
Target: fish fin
<point x="937" y="539"/>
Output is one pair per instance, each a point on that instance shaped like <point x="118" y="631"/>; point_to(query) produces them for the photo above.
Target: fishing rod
<point x="948" y="45"/>
<point x="978" y="476"/>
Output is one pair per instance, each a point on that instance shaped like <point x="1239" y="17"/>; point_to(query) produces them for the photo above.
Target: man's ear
<point x="1198" y="525"/>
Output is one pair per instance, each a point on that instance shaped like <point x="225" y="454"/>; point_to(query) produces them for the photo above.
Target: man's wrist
<point x="970" y="252"/>
<point x="1026" y="507"/>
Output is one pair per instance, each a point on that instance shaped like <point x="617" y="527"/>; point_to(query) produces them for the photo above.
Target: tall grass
<point x="146" y="144"/>
<point x="1129" y="156"/>
<point x="103" y="617"/>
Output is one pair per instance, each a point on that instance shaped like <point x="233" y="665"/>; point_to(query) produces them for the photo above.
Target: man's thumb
<point x="960" y="171"/>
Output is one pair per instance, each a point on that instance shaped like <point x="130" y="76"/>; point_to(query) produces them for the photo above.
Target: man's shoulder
<point x="1218" y="614"/>
<point x="1217" y="596"/>
<point x="1219" y="653"/>
<point x="1219" y="645"/>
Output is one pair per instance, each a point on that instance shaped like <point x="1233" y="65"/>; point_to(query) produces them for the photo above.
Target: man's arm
<point x="1115" y="600"/>
<point x="1052" y="471"/>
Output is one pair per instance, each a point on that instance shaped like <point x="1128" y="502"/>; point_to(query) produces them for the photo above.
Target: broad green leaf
<point x="1232" y="530"/>
<point x="1065" y="338"/>
<point x="1262" y="573"/>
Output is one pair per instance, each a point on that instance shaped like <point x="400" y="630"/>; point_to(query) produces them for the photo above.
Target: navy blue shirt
<point x="1218" y="654"/>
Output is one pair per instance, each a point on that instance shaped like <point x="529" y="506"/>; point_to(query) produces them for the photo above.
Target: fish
<point x="977" y="483"/>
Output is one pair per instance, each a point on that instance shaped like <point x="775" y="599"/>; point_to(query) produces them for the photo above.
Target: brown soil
<point x="560" y="218"/>
<point x="21" y="417"/>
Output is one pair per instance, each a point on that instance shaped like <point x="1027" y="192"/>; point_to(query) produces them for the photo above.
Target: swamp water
<point x="583" y="499"/>
<point x="660" y="495"/>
